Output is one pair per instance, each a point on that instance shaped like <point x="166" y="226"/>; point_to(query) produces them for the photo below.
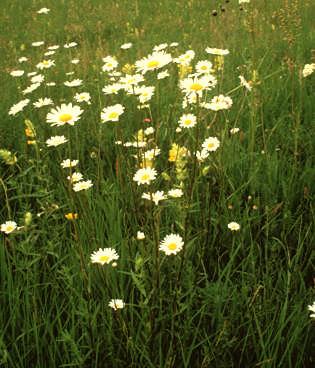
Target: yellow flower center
<point x="10" y="228"/>
<point x="204" y="67"/>
<point x="145" y="177"/>
<point x="65" y="118"/>
<point x="172" y="246"/>
<point x="187" y="122"/>
<point x="104" y="258"/>
<point x="196" y="87"/>
<point x="113" y="115"/>
<point x="210" y="145"/>
<point x="153" y="64"/>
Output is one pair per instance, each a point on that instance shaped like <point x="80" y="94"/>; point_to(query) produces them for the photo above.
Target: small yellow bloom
<point x="71" y="216"/>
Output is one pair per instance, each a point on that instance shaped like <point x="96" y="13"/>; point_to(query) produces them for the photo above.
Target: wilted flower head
<point x="116" y="304"/>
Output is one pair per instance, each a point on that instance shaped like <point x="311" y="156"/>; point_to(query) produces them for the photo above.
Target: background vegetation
<point x="233" y="299"/>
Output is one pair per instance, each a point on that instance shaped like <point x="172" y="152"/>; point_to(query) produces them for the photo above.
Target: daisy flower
<point x="244" y="83"/>
<point x="131" y="80"/>
<point x="39" y="78"/>
<point x="234" y="226"/>
<point x="22" y="59"/>
<point x="153" y="62"/>
<point x="38" y="43"/>
<point x="75" y="177"/>
<point x="140" y="235"/>
<point x="8" y="227"/>
<point x="112" y="89"/>
<point x="56" y="140"/>
<point x="160" y="47"/>
<point x="202" y="155"/>
<point x="308" y="69"/>
<point x="18" y="107"/>
<point x="112" y="113"/>
<point x="110" y="63"/>
<point x="187" y="121"/>
<point x="82" y="185"/>
<point x="69" y="45"/>
<point x="311" y="308"/>
<point x="214" y="51"/>
<point x="171" y="244"/>
<point x="175" y="193"/>
<point x="144" y="93"/>
<point x="155" y="197"/>
<point x="126" y="46"/>
<point x="196" y="85"/>
<point x="45" y="64"/>
<point x="65" y="114"/>
<point x="145" y="175"/>
<point x="30" y="88"/>
<point x="75" y="61"/>
<point x="69" y="163"/>
<point x="234" y="130"/>
<point x="49" y="53"/>
<point x="83" y="97"/>
<point x="219" y="103"/>
<point x="163" y="75"/>
<point x="185" y="59"/>
<point x="53" y="47"/>
<point x="102" y="256"/>
<point x="211" y="144"/>
<point x="73" y="83"/>
<point x="204" y="67"/>
<point x="17" y="73"/>
<point x="43" y="102"/>
<point x="116" y="304"/>
<point x="43" y="11"/>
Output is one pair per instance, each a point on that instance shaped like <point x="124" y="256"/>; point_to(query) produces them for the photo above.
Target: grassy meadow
<point x="184" y="235"/>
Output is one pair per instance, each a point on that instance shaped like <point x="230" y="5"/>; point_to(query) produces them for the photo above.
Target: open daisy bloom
<point x="65" y="114"/>
<point x="171" y="244"/>
<point x="153" y="62"/>
<point x="211" y="144"/>
<point x="112" y="113"/>
<point x="234" y="226"/>
<point x="104" y="256"/>
<point x="8" y="227"/>
<point x="145" y="175"/>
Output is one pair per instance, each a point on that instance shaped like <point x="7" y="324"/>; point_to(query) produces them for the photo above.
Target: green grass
<point x="228" y="299"/>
